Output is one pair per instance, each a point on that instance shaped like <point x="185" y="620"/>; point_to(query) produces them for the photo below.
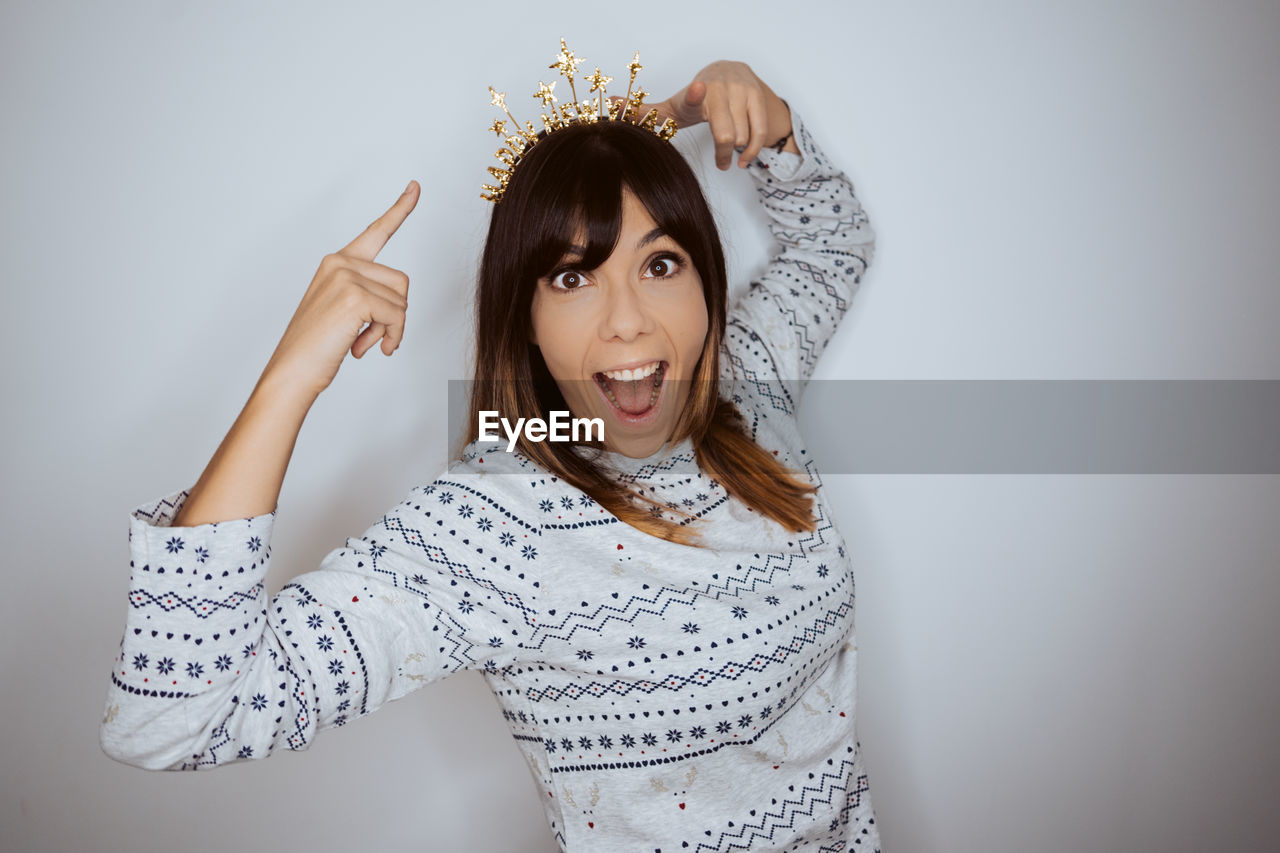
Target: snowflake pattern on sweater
<point x="665" y="697"/>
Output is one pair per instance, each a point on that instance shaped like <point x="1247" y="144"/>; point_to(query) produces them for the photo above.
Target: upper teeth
<point x="633" y="375"/>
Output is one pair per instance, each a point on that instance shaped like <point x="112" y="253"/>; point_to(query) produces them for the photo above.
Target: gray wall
<point x="1064" y="190"/>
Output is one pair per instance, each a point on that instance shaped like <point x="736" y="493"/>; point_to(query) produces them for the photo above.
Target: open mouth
<point x="633" y="393"/>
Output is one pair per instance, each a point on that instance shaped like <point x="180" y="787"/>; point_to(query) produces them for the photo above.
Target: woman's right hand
<point x="351" y="304"/>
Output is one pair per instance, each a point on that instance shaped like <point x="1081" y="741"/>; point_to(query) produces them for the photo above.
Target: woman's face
<point x="622" y="340"/>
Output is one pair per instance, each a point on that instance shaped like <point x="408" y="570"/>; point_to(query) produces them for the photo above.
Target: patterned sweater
<point x="666" y="697"/>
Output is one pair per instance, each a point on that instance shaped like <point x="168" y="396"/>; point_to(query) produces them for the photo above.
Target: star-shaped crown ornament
<point x="557" y="116"/>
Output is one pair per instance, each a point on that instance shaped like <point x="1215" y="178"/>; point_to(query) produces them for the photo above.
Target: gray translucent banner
<point x="1027" y="426"/>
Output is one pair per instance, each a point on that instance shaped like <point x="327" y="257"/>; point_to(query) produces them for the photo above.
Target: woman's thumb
<point x="694" y="93"/>
<point x="688" y="109"/>
<point x="685" y="107"/>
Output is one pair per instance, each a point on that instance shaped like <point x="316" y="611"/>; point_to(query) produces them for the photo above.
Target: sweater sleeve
<point x="781" y="325"/>
<point x="211" y="671"/>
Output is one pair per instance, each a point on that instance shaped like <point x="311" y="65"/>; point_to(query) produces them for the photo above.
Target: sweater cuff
<point x="786" y="165"/>
<point x="203" y="552"/>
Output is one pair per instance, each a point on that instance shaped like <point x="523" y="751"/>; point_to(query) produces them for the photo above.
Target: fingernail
<point x="408" y="186"/>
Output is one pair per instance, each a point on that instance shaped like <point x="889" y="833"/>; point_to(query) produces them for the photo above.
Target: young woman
<point x="665" y="616"/>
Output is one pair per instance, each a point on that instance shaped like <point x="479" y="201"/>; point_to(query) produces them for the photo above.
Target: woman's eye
<point x="567" y="280"/>
<point x="664" y="266"/>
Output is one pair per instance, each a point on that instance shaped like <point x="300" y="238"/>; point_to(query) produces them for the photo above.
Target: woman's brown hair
<point x="570" y="184"/>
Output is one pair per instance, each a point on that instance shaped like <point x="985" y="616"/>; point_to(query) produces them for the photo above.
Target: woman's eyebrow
<point x="650" y="237"/>
<point x="644" y="241"/>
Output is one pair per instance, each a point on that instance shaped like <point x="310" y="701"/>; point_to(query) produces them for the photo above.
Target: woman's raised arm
<point x="209" y="671"/>
<point x="780" y="327"/>
<point x="351" y="304"/>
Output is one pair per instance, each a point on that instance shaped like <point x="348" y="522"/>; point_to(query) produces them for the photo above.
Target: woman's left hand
<point x="744" y="113"/>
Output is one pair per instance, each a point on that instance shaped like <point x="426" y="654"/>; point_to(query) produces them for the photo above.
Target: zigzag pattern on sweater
<point x="201" y="608"/>
<point x="160" y="514"/>
<point x="603" y="614"/>
<point x="751" y="580"/>
<point x="823" y="793"/>
<point x="767" y="388"/>
<point x="220" y="737"/>
<point x="810" y="348"/>
<point x="457" y="568"/>
<point x="165" y="509"/>
<point x="457" y="646"/>
<point x="702" y="676"/>
<point x="852" y="800"/>
<point x="733" y="586"/>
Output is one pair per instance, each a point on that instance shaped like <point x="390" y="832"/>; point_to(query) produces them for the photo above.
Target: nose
<point x="624" y="314"/>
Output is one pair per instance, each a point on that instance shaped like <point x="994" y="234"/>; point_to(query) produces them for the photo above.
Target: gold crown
<point x="563" y="115"/>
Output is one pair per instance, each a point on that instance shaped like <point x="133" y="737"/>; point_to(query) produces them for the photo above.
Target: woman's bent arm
<point x="211" y="671"/>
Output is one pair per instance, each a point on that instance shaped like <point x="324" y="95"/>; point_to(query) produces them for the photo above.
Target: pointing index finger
<point x="373" y="238"/>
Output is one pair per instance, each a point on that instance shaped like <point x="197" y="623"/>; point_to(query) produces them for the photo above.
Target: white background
<point x="1061" y="191"/>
